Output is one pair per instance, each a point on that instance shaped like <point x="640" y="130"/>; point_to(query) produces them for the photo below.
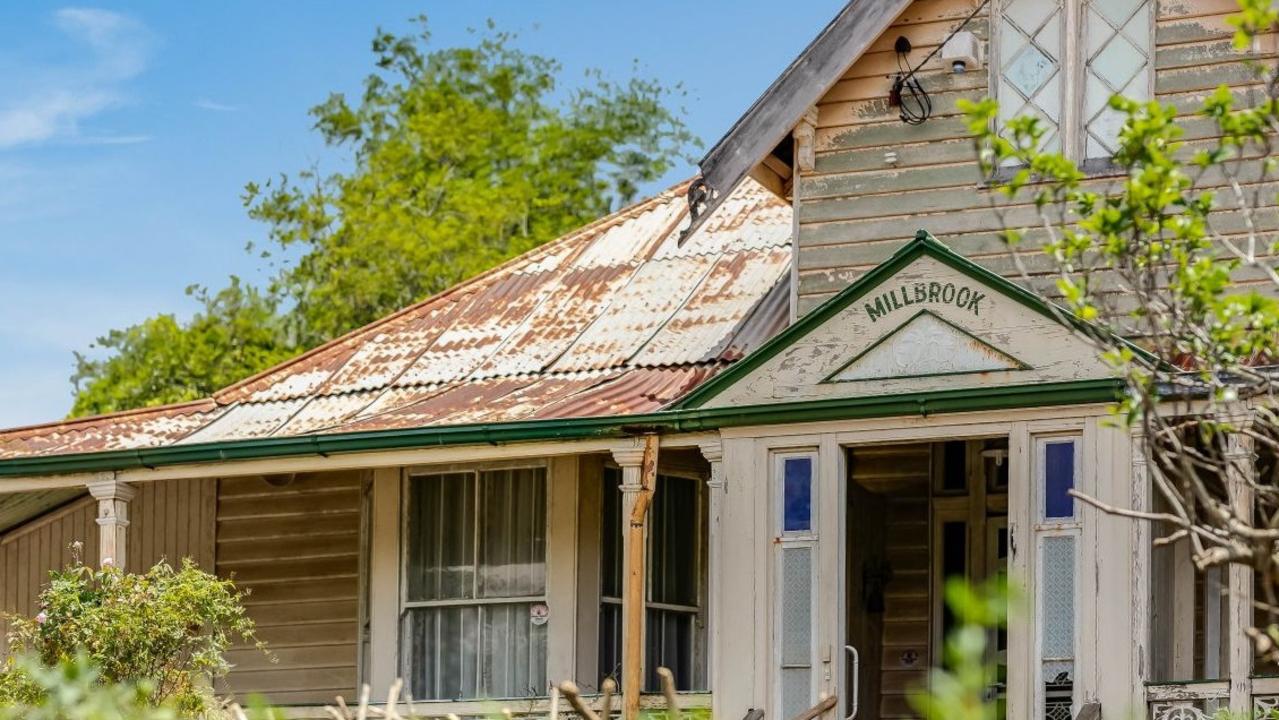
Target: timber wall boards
<point x="890" y="624"/>
<point x="855" y="208"/>
<point x="294" y="544"/>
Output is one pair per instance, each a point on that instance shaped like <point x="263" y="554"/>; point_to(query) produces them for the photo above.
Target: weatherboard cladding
<point x="614" y="318"/>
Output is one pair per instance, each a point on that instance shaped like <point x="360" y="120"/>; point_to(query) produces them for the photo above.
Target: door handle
<point x="854" y="687"/>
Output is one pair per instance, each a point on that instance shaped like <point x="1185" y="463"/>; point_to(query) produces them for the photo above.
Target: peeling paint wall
<point x="855" y="208"/>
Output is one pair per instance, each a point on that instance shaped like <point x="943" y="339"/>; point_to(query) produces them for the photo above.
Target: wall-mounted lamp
<point x="962" y="51"/>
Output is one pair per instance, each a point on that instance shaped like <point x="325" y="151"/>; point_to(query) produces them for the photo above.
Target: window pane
<point x="441" y="537"/>
<point x="1057" y="607"/>
<point x="674" y="526"/>
<point x="797" y="606"/>
<point x="797" y="691"/>
<point x="611" y="535"/>
<point x="442" y="644"/>
<point x="797" y="495"/>
<point x="445" y="644"/>
<point x="670" y="645"/>
<point x="610" y="657"/>
<point x="513" y="539"/>
<point x="1059" y="480"/>
<point x="1030" y="41"/>
<point x="514" y="659"/>
<point x="673" y="542"/>
<point x="1118" y="61"/>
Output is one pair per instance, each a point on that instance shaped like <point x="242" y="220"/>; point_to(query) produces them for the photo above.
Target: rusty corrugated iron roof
<point x="613" y="319"/>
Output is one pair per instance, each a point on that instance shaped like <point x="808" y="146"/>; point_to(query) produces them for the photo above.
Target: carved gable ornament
<point x="925" y="321"/>
<point x="925" y="345"/>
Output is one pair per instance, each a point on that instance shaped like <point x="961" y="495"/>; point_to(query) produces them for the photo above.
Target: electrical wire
<point x="907" y="88"/>
<point x="911" y="97"/>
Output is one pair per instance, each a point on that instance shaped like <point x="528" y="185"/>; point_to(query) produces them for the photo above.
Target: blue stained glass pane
<point x="1059" y="479"/>
<point x="797" y="494"/>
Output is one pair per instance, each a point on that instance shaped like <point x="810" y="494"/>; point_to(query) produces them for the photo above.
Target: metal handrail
<point x="855" y="687"/>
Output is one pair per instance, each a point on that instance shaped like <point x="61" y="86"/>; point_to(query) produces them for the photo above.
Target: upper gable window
<point x="1062" y="60"/>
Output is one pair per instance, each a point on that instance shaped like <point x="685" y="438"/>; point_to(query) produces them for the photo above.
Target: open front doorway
<point x="917" y="515"/>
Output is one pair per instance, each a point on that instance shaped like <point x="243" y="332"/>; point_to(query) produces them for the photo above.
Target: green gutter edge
<point x="680" y="420"/>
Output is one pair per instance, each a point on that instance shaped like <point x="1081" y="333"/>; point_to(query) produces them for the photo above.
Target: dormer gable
<point x="927" y="320"/>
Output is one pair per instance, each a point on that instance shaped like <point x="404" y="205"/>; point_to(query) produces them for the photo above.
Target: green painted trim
<point x="923" y="244"/>
<point x="668" y="421"/>
<point x="831" y="379"/>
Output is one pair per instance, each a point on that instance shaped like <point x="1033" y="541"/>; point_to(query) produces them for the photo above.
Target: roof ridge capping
<point x="923" y="243"/>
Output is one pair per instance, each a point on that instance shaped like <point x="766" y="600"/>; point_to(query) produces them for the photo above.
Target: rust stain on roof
<point x="615" y="318"/>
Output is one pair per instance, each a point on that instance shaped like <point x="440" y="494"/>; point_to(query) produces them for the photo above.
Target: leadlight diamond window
<point x="1043" y="47"/>
<point x="1117" y="42"/>
<point x="1030" y="63"/>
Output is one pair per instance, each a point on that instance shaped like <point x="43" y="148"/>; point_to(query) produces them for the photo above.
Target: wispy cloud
<point x="54" y="107"/>
<point x="215" y="106"/>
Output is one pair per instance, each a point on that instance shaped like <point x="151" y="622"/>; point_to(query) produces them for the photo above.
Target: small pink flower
<point x="107" y="562"/>
<point x="42" y="618"/>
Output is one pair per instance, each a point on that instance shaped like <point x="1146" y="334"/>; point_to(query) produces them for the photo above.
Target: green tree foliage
<point x="960" y="689"/>
<point x="460" y="158"/>
<point x="463" y="158"/>
<point x="163" y="631"/>
<point x="163" y="360"/>
<point x="73" y="690"/>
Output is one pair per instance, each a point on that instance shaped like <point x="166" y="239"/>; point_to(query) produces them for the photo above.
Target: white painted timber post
<point x="714" y="454"/>
<point x="630" y="458"/>
<point x="1239" y="473"/>
<point x="113" y="498"/>
<point x="1140" y="494"/>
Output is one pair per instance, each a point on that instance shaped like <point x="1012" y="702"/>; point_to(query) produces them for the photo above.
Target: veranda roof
<point x="614" y="319"/>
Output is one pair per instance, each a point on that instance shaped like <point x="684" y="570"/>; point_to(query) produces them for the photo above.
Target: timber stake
<point x="633" y="601"/>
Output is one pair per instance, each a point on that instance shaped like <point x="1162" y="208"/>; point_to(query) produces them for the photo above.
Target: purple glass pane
<point x="797" y="495"/>
<point x="1059" y="480"/>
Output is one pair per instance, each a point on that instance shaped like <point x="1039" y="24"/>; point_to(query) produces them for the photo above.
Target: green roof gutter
<point x="668" y="421"/>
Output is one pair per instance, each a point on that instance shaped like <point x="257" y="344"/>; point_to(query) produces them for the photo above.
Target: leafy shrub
<point x="164" y="631"/>
<point x="73" y="690"/>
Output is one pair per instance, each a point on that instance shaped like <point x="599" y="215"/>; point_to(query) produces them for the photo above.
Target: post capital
<point x="712" y="450"/>
<point x="629" y="454"/>
<point x="109" y="488"/>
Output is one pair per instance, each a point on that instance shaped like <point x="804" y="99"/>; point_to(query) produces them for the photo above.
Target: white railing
<point x="1203" y="700"/>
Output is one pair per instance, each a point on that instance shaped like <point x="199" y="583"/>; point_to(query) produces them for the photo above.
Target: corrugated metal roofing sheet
<point x="612" y="319"/>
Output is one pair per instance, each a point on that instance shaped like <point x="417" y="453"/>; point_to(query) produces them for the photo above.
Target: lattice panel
<point x="1181" y="710"/>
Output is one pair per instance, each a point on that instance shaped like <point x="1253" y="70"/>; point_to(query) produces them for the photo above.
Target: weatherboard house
<point x="747" y="443"/>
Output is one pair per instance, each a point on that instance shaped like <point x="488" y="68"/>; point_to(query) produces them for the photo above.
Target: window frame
<point x="405" y="661"/>
<point x="783" y="540"/>
<point x="1072" y="128"/>
<point x="700" y="569"/>
<point x="1043" y="528"/>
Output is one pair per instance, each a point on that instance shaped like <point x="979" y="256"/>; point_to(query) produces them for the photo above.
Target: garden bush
<point x="164" y="631"/>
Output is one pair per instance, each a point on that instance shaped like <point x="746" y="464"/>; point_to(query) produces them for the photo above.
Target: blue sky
<point x="128" y="130"/>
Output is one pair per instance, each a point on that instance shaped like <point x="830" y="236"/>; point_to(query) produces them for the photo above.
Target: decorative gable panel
<point x="925" y="321"/>
<point x="924" y="346"/>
